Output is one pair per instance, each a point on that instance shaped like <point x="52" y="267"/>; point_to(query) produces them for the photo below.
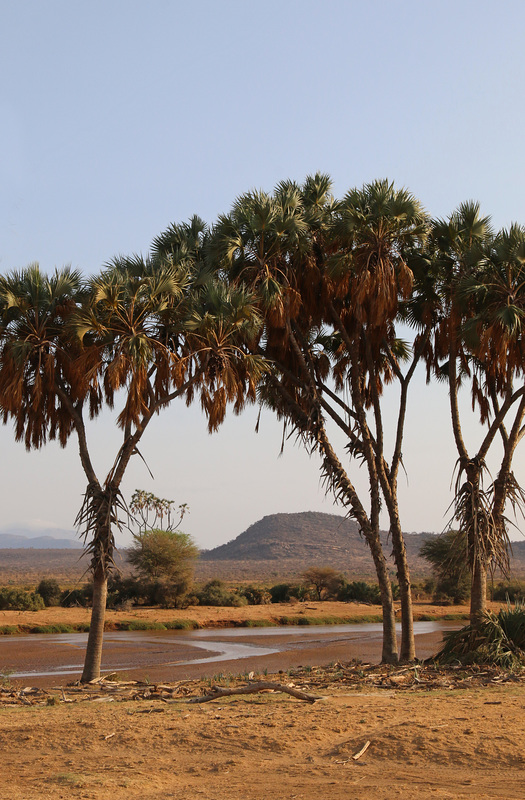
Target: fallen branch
<point x="360" y="752"/>
<point x="251" y="688"/>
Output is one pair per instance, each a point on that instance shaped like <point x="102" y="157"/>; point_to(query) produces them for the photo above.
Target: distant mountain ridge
<point x="49" y="538"/>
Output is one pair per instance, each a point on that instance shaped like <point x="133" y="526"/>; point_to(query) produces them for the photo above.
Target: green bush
<point x="255" y="595"/>
<point x="215" y="593"/>
<point x="77" y="597"/>
<point x="19" y="600"/>
<point x="284" y="592"/>
<point x="509" y="590"/>
<point x="359" y="592"/>
<point x="50" y="591"/>
<point x="497" y="639"/>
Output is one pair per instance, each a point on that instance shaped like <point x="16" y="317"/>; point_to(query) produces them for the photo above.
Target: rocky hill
<point x="306" y="539"/>
<point x="286" y="544"/>
<point x="277" y="547"/>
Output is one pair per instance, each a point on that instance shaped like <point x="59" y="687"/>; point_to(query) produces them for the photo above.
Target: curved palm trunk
<point x="344" y="490"/>
<point x="93" y="658"/>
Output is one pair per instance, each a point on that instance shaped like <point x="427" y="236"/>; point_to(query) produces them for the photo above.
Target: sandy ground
<point x="454" y="744"/>
<point x="443" y="743"/>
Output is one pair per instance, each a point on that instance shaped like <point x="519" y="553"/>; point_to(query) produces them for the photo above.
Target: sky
<point x="120" y="117"/>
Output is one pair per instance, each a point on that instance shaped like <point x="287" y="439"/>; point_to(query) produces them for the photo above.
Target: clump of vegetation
<point x="12" y="599"/>
<point x="215" y="593"/>
<point x="50" y="591"/>
<point x="359" y="592"/>
<point x="497" y="639"/>
<point x="288" y="592"/>
<point x="168" y="558"/>
<point x="324" y="582"/>
<point x="81" y="596"/>
<point x="509" y="590"/>
<point x="447" y="555"/>
<point x="255" y="595"/>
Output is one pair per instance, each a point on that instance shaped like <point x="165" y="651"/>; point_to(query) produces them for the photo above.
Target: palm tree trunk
<point x="345" y="491"/>
<point x="478" y="596"/>
<point x="408" y="647"/>
<point x="93" y="656"/>
<point x="389" y="649"/>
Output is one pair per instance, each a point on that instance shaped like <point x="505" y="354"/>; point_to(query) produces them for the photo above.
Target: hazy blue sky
<point x="119" y="117"/>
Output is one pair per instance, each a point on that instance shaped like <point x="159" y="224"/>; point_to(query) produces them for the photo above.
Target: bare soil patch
<point x="453" y="734"/>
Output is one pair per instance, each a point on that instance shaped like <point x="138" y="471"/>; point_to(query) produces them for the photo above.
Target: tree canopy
<point x="311" y="306"/>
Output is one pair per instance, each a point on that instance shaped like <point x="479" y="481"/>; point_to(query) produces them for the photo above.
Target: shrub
<point x="255" y="595"/>
<point x="122" y="591"/>
<point x="497" y="639"/>
<point x="215" y="593"/>
<point x="284" y="592"/>
<point x="324" y="581"/>
<point x="359" y="592"/>
<point x="509" y="590"/>
<point x="446" y="554"/>
<point x="19" y="600"/>
<point x="50" y="591"/>
<point x="77" y="597"/>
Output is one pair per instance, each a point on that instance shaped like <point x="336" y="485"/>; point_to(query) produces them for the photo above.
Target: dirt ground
<point x="451" y="739"/>
<point x="443" y="743"/>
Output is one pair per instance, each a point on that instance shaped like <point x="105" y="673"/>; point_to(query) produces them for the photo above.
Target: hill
<point x="297" y="541"/>
<point x="277" y="547"/>
<point x="286" y="544"/>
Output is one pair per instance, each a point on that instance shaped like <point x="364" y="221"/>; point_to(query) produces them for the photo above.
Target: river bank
<point x="55" y="619"/>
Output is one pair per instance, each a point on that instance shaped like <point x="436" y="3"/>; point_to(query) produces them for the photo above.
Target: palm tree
<point x="378" y="231"/>
<point x="479" y="339"/>
<point x="137" y="331"/>
<point x="301" y="252"/>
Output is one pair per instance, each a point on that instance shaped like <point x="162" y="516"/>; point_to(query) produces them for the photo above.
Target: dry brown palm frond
<point x="486" y="536"/>
<point x="99" y="514"/>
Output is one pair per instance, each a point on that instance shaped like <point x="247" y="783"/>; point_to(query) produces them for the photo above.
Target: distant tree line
<point x="309" y="305"/>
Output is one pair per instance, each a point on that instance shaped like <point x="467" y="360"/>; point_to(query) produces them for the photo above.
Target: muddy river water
<point x="49" y="659"/>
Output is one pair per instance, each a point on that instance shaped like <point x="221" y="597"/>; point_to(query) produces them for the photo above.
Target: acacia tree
<point x="135" y="335"/>
<point x="479" y="339"/>
<point x="329" y="278"/>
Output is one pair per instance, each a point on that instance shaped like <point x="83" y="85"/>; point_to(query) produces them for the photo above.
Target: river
<point x="49" y="659"/>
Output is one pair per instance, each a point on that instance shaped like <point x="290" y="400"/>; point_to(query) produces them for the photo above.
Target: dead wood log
<point x="250" y="688"/>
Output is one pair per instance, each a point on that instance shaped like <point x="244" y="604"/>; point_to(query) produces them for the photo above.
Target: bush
<point x="167" y="560"/>
<point x="497" y="639"/>
<point x="19" y="600"/>
<point x="323" y="582"/>
<point x="255" y="595"/>
<point x="123" y="591"/>
<point x="284" y="592"/>
<point x="50" y="591"/>
<point x="77" y="597"/>
<point x="447" y="554"/>
<point x="509" y="590"/>
<point x="359" y="592"/>
<point x="215" y="593"/>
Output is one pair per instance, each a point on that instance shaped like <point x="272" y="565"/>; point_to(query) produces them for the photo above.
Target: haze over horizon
<point x="121" y="117"/>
